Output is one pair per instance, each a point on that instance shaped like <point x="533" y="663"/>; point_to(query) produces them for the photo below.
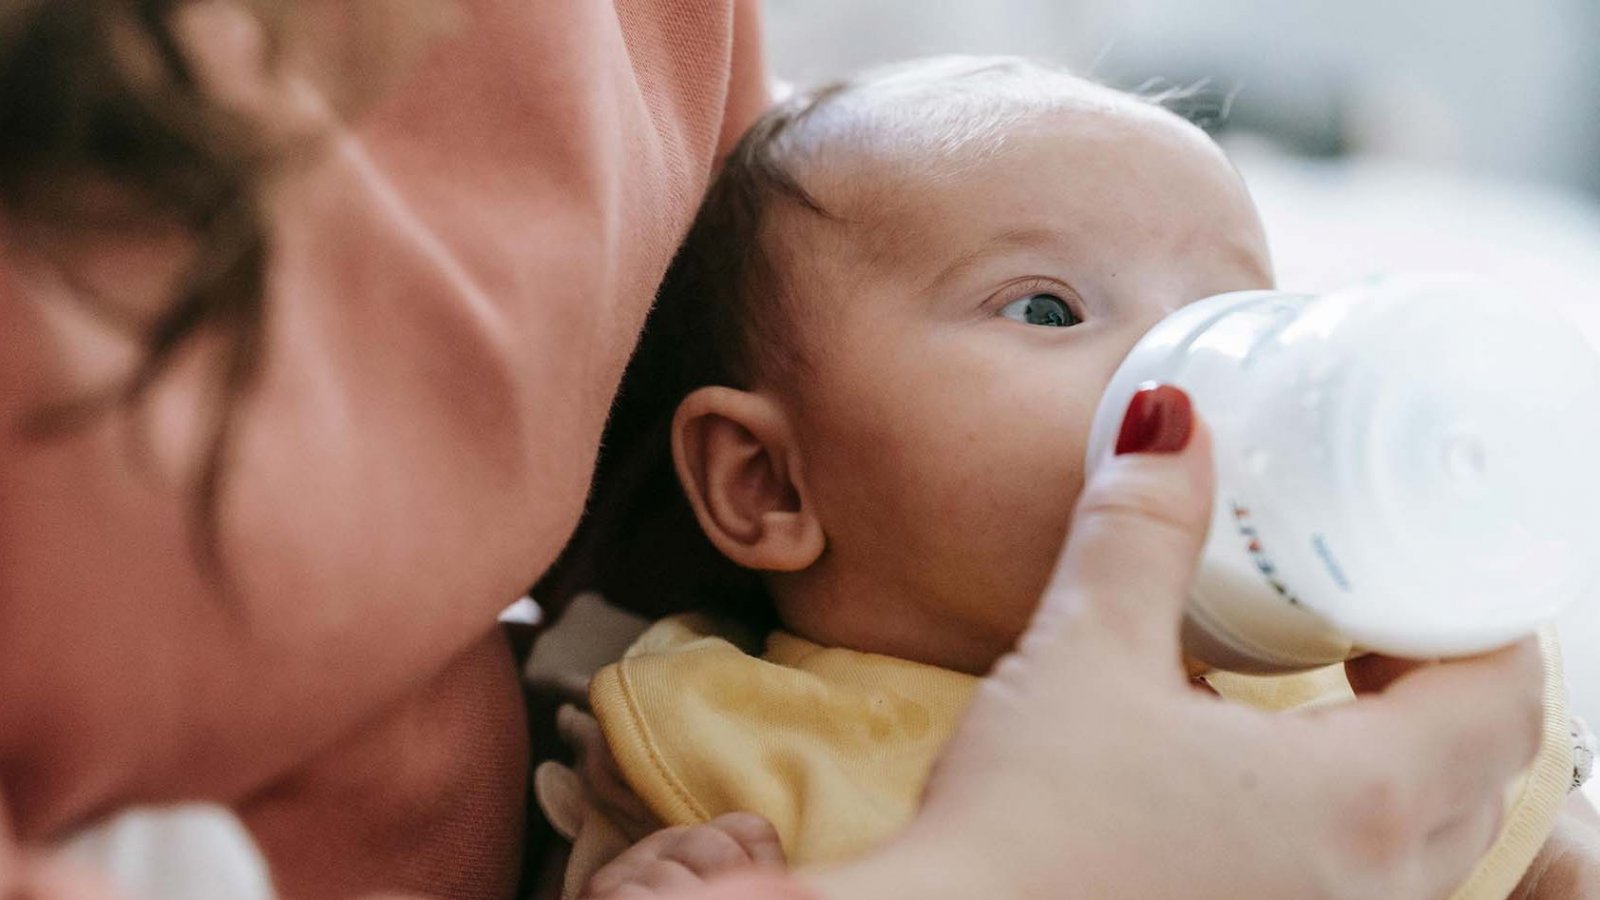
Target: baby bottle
<point x="1409" y="466"/>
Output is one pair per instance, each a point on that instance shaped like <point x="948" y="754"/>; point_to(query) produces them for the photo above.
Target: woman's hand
<point x="1088" y="767"/>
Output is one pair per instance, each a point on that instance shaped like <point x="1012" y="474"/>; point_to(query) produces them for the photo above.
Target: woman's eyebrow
<point x="997" y="244"/>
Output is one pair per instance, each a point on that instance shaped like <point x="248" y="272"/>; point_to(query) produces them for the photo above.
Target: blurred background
<point x="1493" y="86"/>
<point x="1376" y="135"/>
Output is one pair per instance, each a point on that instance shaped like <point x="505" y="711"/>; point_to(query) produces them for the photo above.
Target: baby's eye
<point x="1041" y="309"/>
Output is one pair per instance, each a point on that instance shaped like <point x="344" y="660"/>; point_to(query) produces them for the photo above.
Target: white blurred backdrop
<point x="1507" y="87"/>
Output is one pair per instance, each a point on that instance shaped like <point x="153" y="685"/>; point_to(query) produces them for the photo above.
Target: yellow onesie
<point x="833" y="746"/>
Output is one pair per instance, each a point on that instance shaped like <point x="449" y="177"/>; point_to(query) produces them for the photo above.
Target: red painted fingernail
<point x="1160" y="420"/>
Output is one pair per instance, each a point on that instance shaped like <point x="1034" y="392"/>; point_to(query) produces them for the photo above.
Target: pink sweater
<point x="455" y="291"/>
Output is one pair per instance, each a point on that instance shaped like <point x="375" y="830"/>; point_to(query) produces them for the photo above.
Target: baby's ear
<point x="740" y="468"/>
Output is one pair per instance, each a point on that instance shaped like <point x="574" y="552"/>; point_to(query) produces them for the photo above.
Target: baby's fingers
<point x="754" y="836"/>
<point x="598" y="768"/>
<point x="631" y="867"/>
<point x="679" y="857"/>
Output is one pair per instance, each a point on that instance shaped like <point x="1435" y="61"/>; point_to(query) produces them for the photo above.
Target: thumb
<point x="1136" y="537"/>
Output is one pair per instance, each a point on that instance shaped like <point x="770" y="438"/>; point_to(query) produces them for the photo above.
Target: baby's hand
<point x="674" y="859"/>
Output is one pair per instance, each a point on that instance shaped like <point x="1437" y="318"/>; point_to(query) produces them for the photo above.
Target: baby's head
<point x="873" y="367"/>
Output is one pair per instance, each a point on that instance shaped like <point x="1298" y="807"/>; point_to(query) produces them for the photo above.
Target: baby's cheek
<point x="1031" y="527"/>
<point x="967" y="463"/>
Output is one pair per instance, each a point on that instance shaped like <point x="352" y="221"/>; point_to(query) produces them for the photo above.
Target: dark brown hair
<point x="95" y="95"/>
<point x="719" y="319"/>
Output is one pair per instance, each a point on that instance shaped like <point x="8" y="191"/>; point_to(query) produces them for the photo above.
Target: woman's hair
<point x="98" y="101"/>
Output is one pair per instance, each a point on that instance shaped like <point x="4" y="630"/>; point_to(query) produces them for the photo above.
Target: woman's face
<point x="295" y="68"/>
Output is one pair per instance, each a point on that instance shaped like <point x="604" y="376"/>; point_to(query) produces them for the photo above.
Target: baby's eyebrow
<point x="995" y="245"/>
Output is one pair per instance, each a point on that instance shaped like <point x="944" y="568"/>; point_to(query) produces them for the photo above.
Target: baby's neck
<point x="836" y="613"/>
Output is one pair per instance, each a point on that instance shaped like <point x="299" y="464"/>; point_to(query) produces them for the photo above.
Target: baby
<point x="855" y="432"/>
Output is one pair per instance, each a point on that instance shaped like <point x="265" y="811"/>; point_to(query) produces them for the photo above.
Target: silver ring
<point x="1583" y="753"/>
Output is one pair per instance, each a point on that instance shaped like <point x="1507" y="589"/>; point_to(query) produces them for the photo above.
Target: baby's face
<point x="959" y="330"/>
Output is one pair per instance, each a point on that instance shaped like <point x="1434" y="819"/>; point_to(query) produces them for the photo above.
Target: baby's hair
<point x="717" y="320"/>
<point x="723" y="317"/>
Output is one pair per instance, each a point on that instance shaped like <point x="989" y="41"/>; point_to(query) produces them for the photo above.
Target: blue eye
<point x="1047" y="310"/>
